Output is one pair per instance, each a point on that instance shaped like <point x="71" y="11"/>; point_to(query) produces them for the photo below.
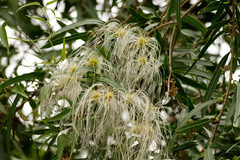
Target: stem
<point x="230" y="76"/>
<point x="172" y="43"/>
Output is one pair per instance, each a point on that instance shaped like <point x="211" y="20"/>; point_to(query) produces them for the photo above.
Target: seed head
<point x="121" y="32"/>
<point x="93" y="62"/>
<point x="108" y="96"/>
<point x="142" y="41"/>
<point x="142" y="60"/>
<point x="96" y="95"/>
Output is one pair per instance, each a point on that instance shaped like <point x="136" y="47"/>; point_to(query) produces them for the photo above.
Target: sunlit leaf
<point x="193" y="125"/>
<point x="63" y="54"/>
<point x="30" y="4"/>
<point x="62" y="141"/>
<point x="77" y="24"/>
<point x="208" y="154"/>
<point x="3" y="36"/>
<point x="9" y="122"/>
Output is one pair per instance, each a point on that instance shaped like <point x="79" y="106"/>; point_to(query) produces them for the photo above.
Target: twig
<point x="172" y="22"/>
<point x="172" y="43"/>
<point x="230" y="76"/>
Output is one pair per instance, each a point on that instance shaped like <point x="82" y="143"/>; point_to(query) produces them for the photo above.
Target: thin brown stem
<point x="230" y="74"/>
<point x="172" y="44"/>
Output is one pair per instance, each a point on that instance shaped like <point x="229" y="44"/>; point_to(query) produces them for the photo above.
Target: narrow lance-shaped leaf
<point x="51" y="2"/>
<point x="63" y="55"/>
<point x="184" y="146"/>
<point x="208" y="154"/>
<point x="77" y="24"/>
<point x="2" y="109"/>
<point x="204" y="49"/>
<point x="61" y="143"/>
<point x="195" y="23"/>
<point x="83" y="36"/>
<point x="178" y="12"/>
<point x="111" y="82"/>
<point x="9" y="122"/>
<point x="193" y="125"/>
<point x="236" y="120"/>
<point x="58" y="116"/>
<point x="213" y="83"/>
<point x="185" y="120"/>
<point x="3" y="36"/>
<point x="30" y="4"/>
<point x="23" y="77"/>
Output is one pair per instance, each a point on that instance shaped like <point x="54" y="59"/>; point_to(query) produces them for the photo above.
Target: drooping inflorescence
<point x="109" y="85"/>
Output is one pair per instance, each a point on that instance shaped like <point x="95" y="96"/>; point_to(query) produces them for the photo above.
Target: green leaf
<point x="210" y="7"/>
<point x="204" y="49"/>
<point x="187" y="117"/>
<point x="195" y="110"/>
<point x="195" y="23"/>
<point x="53" y="1"/>
<point x="24" y="77"/>
<point x="3" y="36"/>
<point x="170" y="9"/>
<point x="128" y="3"/>
<point x="59" y="116"/>
<point x="2" y="109"/>
<point x="208" y="154"/>
<point x="218" y="25"/>
<point x="77" y="24"/>
<point x="160" y="40"/>
<point x="190" y="82"/>
<point x="40" y="19"/>
<point x="150" y="10"/>
<point x="62" y="141"/>
<point x="30" y="4"/>
<point x="9" y="123"/>
<point x="236" y="120"/>
<point x="193" y="125"/>
<point x="72" y="31"/>
<point x="83" y="36"/>
<point x="63" y="54"/>
<point x="189" y="104"/>
<point x="216" y="75"/>
<point x="19" y="90"/>
<point x="214" y="81"/>
<point x="136" y="14"/>
<point x="184" y="146"/>
<point x="111" y="82"/>
<point x="178" y="12"/>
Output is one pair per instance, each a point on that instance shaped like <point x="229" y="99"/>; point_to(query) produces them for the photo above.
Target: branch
<point x="231" y="69"/>
<point x="172" y="22"/>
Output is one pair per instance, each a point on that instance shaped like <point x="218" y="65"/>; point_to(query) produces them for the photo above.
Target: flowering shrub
<point x="109" y="85"/>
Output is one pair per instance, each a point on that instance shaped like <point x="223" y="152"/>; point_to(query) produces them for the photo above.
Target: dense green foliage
<point x="144" y="83"/>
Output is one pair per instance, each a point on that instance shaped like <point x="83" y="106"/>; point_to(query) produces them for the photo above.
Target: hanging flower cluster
<point x="109" y="85"/>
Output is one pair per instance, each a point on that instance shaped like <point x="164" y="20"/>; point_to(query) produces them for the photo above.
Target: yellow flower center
<point x="96" y="95"/>
<point x="142" y="41"/>
<point x="108" y="96"/>
<point x="73" y="69"/>
<point x="121" y="32"/>
<point x="142" y="60"/>
<point x="93" y="62"/>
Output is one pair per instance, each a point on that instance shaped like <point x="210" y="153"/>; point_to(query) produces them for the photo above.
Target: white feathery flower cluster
<point x="116" y="123"/>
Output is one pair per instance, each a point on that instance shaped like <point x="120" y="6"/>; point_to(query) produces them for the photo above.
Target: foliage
<point x="144" y="85"/>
